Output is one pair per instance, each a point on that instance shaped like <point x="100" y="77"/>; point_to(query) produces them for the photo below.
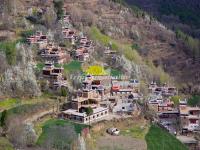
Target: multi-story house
<point x="89" y="97"/>
<point x="54" y="75"/>
<point x="55" y="54"/>
<point x="38" y="38"/>
<point x="164" y="90"/>
<point x="190" y="117"/>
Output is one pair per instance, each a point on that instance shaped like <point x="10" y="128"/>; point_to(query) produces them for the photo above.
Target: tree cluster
<point x="192" y="44"/>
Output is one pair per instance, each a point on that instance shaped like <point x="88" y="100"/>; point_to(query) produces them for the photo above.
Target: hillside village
<point x="81" y="106"/>
<point x="105" y="94"/>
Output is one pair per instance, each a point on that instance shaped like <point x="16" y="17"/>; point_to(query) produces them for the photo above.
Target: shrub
<point x="89" y="111"/>
<point x="175" y="99"/>
<point x="137" y="11"/>
<point x="25" y="34"/>
<point x="5" y="144"/>
<point x="36" y="18"/>
<point x="58" y="5"/>
<point x="3" y="118"/>
<point x="135" y="46"/>
<point x="194" y="101"/>
<point x="192" y="43"/>
<point x="9" y="48"/>
<point x="39" y="67"/>
<point x="119" y="1"/>
<point x="63" y="92"/>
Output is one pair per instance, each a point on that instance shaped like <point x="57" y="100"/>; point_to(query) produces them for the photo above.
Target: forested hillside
<point x="182" y="14"/>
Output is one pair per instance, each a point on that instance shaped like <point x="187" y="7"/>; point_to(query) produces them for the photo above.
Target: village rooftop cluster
<point x="179" y="119"/>
<point x="53" y="54"/>
<point x="101" y="96"/>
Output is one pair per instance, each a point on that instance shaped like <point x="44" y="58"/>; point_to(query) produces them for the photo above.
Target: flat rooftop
<point x="184" y="110"/>
<point x="75" y="112"/>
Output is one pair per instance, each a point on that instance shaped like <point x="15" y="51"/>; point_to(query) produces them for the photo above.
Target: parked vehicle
<point x="113" y="131"/>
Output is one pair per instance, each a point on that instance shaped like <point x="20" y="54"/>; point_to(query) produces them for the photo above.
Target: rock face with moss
<point x="19" y="79"/>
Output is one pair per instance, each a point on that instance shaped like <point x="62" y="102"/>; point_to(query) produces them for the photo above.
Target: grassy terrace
<point x="25" y="107"/>
<point x="73" y="66"/>
<point x="39" y="66"/>
<point x="126" y="49"/>
<point x="15" y="102"/>
<point x="8" y="103"/>
<point x="47" y="126"/>
<point x="130" y="52"/>
<point x="9" y="48"/>
<point x="135" y="132"/>
<point x="115" y="73"/>
<point x="5" y="144"/>
<point x="158" y="139"/>
<point x="69" y="68"/>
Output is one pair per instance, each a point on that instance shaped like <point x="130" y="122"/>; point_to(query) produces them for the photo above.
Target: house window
<point x="102" y="114"/>
<point x="193" y="121"/>
<point x="93" y="116"/>
<point x="123" y="107"/>
<point x="98" y="115"/>
<point x="106" y="112"/>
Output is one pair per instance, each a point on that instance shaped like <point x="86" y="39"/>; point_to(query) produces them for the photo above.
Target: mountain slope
<point x="156" y="43"/>
<point x="182" y="14"/>
<point x="130" y="32"/>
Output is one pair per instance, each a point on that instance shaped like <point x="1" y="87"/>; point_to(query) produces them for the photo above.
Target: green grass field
<point x="5" y="144"/>
<point x="39" y="66"/>
<point x="126" y="49"/>
<point x="158" y="139"/>
<point x="9" y="48"/>
<point x="115" y="73"/>
<point x="55" y="122"/>
<point x="8" y="103"/>
<point x="72" y="66"/>
<point x="135" y="132"/>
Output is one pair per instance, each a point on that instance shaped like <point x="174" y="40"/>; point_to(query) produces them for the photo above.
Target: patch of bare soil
<point x="132" y="140"/>
<point x="120" y="143"/>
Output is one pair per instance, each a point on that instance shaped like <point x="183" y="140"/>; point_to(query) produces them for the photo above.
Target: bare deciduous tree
<point x="60" y="137"/>
<point x="21" y="135"/>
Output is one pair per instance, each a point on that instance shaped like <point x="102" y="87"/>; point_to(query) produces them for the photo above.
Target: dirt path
<point x="35" y="117"/>
<point x="120" y="143"/>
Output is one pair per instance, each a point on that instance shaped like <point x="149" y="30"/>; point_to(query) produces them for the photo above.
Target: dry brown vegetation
<point x="133" y="131"/>
<point x="157" y="45"/>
